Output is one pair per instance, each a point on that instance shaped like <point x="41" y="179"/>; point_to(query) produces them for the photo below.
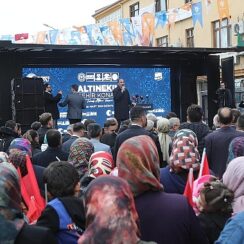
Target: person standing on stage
<point x="122" y="102"/>
<point x="50" y="103"/>
<point x="224" y="96"/>
<point x="76" y="103"/>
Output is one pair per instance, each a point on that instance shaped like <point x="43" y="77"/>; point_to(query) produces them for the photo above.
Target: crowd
<point x="124" y="185"/>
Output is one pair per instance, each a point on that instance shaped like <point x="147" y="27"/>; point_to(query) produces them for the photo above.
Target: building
<point x="213" y="33"/>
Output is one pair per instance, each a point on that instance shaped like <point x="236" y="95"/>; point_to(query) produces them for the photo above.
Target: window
<point x="190" y="37"/>
<point x="134" y="10"/>
<point x="162" y="41"/>
<point x="188" y="1"/>
<point x="222" y="33"/>
<point x="160" y="5"/>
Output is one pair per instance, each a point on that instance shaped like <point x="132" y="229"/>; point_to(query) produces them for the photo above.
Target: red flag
<point x="22" y="36"/>
<point x="31" y="192"/>
<point x="204" y="168"/>
<point x="189" y="187"/>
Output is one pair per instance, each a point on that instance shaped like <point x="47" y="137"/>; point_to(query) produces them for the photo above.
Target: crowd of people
<point x="123" y="185"/>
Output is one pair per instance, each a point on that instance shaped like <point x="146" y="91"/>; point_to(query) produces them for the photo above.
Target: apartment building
<point x="213" y="33"/>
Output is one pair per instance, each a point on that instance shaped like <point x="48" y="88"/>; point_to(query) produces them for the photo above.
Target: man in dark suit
<point x="50" y="103"/>
<point x="217" y="143"/>
<point x="136" y="128"/>
<point x="122" y="102"/>
<point x="78" y="131"/>
<point x="75" y="103"/>
<point x="54" y="151"/>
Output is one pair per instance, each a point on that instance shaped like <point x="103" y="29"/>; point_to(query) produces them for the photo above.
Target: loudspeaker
<point x="28" y="86"/>
<point x="27" y="100"/>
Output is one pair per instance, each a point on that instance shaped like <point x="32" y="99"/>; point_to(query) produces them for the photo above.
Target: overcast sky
<point x="19" y="16"/>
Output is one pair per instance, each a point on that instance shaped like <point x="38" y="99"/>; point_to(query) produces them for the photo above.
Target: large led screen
<point x="147" y="86"/>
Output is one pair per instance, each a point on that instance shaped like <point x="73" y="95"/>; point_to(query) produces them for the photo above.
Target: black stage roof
<point x="119" y="55"/>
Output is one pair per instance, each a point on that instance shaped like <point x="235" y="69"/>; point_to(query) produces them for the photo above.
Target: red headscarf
<point x="138" y="164"/>
<point x="110" y="212"/>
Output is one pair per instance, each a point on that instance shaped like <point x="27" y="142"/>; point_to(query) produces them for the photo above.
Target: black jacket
<point x="7" y="135"/>
<point x="51" y="104"/>
<point x="35" y="235"/>
<point x="135" y="130"/>
<point x="74" y="206"/>
<point x="212" y="224"/>
<point x="121" y="104"/>
<point x="50" y="155"/>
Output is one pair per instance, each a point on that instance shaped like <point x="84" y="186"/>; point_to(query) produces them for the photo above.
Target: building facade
<point x="213" y="33"/>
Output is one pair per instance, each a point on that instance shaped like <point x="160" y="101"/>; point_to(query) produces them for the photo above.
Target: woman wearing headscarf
<point x="233" y="178"/>
<point x="111" y="216"/>
<point x="236" y="148"/>
<point x="164" y="218"/>
<point x="80" y="153"/>
<point x="12" y="224"/>
<point x="184" y="156"/>
<point x="100" y="163"/>
<point x="164" y="139"/>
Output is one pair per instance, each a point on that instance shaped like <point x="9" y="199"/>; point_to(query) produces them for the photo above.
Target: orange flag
<point x="116" y="31"/>
<point x="223" y="8"/>
<point x="148" y="20"/>
<point x="189" y="187"/>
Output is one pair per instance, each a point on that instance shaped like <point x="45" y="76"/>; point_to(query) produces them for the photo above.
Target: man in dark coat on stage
<point x="122" y="102"/>
<point x="51" y="103"/>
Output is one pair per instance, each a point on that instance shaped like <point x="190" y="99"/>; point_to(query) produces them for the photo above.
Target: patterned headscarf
<point x="11" y="219"/>
<point x="21" y="144"/>
<point x="100" y="163"/>
<point x="18" y="159"/>
<point x="80" y="153"/>
<point x="138" y="164"/>
<point x="233" y="178"/>
<point x="3" y="157"/>
<point x="184" y="153"/>
<point x="236" y="148"/>
<point x="111" y="216"/>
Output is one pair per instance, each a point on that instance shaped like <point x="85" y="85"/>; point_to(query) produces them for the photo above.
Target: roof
<point x="79" y="54"/>
<point x="98" y="11"/>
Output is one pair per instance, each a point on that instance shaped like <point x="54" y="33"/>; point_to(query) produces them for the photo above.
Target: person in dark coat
<point x="217" y="143"/>
<point x="12" y="223"/>
<point x="122" y="102"/>
<point x="50" y="103"/>
<point x="53" y="152"/>
<point x="194" y="123"/>
<point x="138" y="122"/>
<point x="7" y="134"/>
<point x="76" y="102"/>
<point x="164" y="218"/>
<point x="224" y="96"/>
<point x="64" y="214"/>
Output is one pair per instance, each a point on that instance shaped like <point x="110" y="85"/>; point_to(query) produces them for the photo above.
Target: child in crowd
<point x="64" y="213"/>
<point x="214" y="204"/>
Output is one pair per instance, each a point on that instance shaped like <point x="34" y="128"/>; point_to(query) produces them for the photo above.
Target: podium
<point x="146" y="106"/>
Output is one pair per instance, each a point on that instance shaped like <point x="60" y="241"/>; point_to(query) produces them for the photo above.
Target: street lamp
<point x="49" y="26"/>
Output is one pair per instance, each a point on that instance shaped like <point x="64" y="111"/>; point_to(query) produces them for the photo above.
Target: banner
<point x="223" y="8"/>
<point x="197" y="13"/>
<point x="172" y="15"/>
<point x="161" y="19"/>
<point x="128" y="32"/>
<point x="148" y="22"/>
<point x="136" y="22"/>
<point x="116" y="31"/>
<point x="95" y="35"/>
<point x="52" y="36"/>
<point x="108" y="36"/>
